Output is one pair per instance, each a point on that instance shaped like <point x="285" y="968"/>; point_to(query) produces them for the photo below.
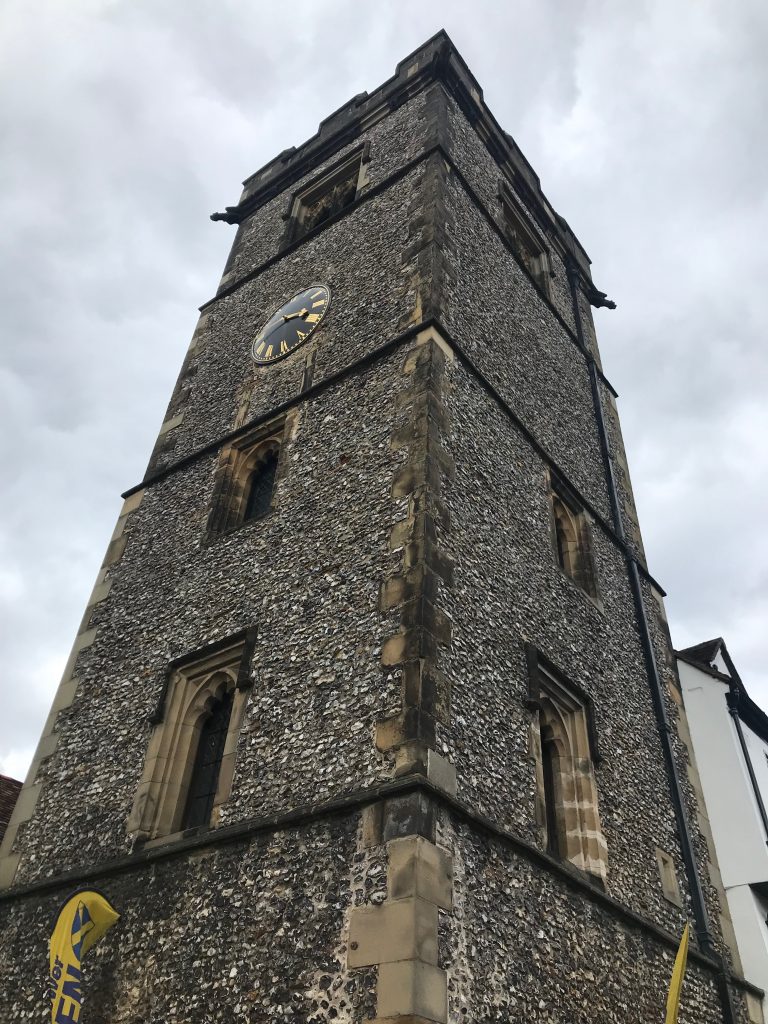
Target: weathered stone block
<point x="410" y="987"/>
<point x="403" y="929"/>
<point x="419" y="868"/>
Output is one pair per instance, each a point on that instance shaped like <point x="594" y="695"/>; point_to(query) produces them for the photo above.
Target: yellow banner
<point x="676" y="984"/>
<point x="82" y="921"/>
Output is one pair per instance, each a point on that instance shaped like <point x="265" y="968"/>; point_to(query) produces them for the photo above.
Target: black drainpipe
<point x="701" y="917"/>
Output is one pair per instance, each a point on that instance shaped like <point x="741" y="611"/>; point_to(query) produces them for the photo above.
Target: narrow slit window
<point x="567" y="538"/>
<point x="552" y="801"/>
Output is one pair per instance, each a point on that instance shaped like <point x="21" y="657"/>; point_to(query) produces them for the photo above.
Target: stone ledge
<point x="400" y="791"/>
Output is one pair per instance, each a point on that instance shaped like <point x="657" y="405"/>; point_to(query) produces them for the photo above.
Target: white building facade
<point x="729" y="733"/>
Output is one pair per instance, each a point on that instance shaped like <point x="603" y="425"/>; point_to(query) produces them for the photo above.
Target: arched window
<point x="190" y="761"/>
<point x="571" y="540"/>
<point x="567" y="537"/>
<point x="324" y="198"/>
<point x="550" y="766"/>
<point x="244" y="488"/>
<point x="206" y="767"/>
<point x="567" y="792"/>
<point x="260" y="484"/>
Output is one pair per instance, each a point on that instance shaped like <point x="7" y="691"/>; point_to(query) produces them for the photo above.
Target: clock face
<point x="291" y="325"/>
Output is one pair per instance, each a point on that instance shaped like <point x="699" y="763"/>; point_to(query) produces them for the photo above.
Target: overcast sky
<point x="125" y="124"/>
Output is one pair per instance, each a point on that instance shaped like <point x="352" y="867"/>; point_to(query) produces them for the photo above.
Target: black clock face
<point x="291" y="325"/>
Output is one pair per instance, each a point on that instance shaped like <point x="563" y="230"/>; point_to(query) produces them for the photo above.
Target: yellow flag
<point x="673" y="999"/>
<point x="82" y="921"/>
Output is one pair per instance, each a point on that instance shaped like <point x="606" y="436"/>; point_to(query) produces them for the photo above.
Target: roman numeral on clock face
<point x="291" y="325"/>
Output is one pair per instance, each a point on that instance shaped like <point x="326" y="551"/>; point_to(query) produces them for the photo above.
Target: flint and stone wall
<point x="249" y="930"/>
<point x="405" y="563"/>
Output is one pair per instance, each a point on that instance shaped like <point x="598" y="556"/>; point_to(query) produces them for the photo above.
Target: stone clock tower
<point x="372" y="713"/>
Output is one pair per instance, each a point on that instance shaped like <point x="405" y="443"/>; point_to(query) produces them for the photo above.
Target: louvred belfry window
<point x="323" y="198"/>
<point x="525" y="240"/>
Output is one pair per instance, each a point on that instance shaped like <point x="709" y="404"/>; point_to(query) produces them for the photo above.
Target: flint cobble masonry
<point x="379" y="855"/>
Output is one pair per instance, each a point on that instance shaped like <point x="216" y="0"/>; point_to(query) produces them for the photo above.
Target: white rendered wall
<point x="748" y="913"/>
<point x="758" y="755"/>
<point x="732" y="809"/>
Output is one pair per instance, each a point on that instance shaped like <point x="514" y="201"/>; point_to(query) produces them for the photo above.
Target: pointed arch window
<point x="526" y="240"/>
<point x="566" y="753"/>
<point x="246" y="479"/>
<point x="571" y="539"/>
<point x="190" y="760"/>
<point x="260" y="482"/>
<point x="553" y="796"/>
<point x="206" y="766"/>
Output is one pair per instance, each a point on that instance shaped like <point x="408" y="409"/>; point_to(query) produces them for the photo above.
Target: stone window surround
<point x="582" y="570"/>
<point x="193" y="682"/>
<point x="569" y="712"/>
<point x="233" y="474"/>
<point x="531" y="249"/>
<point x="345" y="167"/>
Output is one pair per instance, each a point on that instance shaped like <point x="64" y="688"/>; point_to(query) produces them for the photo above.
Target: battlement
<point x="437" y="60"/>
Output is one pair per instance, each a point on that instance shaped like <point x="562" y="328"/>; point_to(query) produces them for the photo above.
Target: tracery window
<point x="190" y="759"/>
<point x="326" y="197"/>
